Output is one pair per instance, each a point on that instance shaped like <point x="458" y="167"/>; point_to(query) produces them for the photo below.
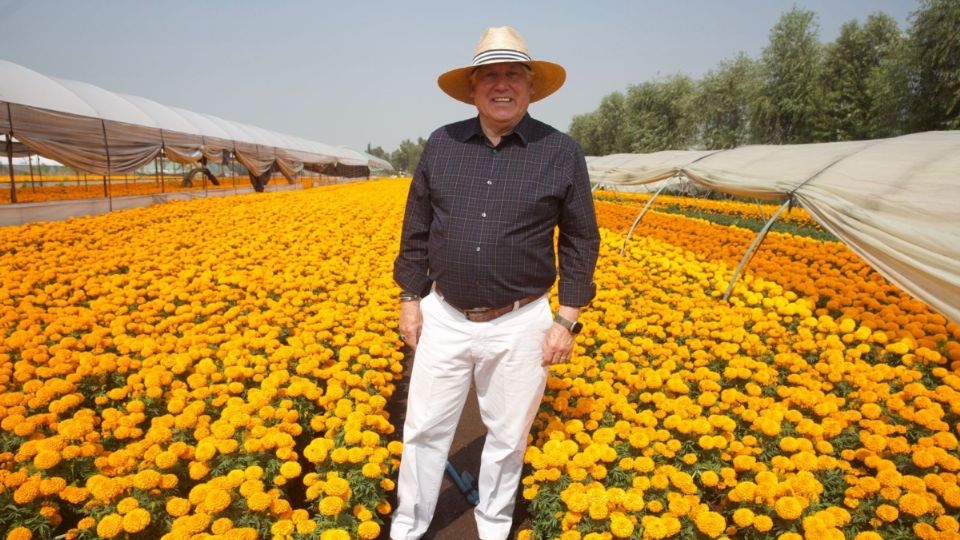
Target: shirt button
<point x="489" y="182"/>
<point x="483" y="214"/>
<point x="494" y="150"/>
<point x="478" y="248"/>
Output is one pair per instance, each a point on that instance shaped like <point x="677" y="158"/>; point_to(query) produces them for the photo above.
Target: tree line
<point x="405" y="158"/>
<point x="874" y="81"/>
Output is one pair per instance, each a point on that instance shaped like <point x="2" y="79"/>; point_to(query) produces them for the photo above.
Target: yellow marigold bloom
<point x="788" y="507"/>
<point x="743" y="517"/>
<point x="340" y="455"/>
<point x="306" y="526"/>
<point x="762" y="523"/>
<point x="867" y="535"/>
<point x="221" y="525"/>
<point x="290" y="469"/>
<point x="368" y="530"/>
<point x="258" y="501"/>
<point x="216" y="500"/>
<point x="127" y="504"/>
<point x="710" y="523"/>
<point x="146" y="479"/>
<point x="177" y="506"/>
<point x="331" y="505"/>
<point x="335" y="534"/>
<point x="790" y="536"/>
<point x="165" y="460"/>
<point x="19" y="533"/>
<point x="136" y="520"/>
<point x="253" y="472"/>
<point x="110" y="525"/>
<point x="371" y="470"/>
<point x="709" y="478"/>
<point x="620" y="525"/>
<point x="283" y="527"/>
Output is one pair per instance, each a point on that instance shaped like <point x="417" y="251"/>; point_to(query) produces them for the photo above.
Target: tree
<point x="722" y="104"/>
<point x="658" y="115"/>
<point x="935" y="46"/>
<point x="603" y="131"/>
<point x="853" y="76"/>
<point x="377" y="152"/>
<point x="406" y="157"/>
<point x="789" y="101"/>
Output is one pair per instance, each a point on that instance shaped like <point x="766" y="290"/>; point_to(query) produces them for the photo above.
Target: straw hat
<point x="503" y="44"/>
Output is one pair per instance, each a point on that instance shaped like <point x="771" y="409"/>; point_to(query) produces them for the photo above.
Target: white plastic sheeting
<point x="98" y="131"/>
<point x="893" y="201"/>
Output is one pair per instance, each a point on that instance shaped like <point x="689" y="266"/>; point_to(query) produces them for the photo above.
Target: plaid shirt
<point x="480" y="219"/>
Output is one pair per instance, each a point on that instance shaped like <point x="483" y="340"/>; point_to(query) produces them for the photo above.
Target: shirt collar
<point x="521" y="132"/>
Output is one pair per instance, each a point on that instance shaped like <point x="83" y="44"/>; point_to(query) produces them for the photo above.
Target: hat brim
<point x="547" y="79"/>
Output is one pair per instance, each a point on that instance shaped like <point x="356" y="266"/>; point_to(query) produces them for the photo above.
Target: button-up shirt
<point x="480" y="219"/>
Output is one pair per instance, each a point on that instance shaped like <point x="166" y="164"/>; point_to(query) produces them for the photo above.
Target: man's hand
<point x="411" y="323"/>
<point x="558" y="343"/>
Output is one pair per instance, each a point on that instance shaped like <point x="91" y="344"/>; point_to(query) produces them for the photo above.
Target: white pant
<point x="503" y="358"/>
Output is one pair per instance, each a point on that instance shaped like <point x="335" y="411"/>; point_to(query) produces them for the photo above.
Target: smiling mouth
<point x="502" y="100"/>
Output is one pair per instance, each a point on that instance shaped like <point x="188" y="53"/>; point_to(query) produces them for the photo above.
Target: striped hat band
<point x="500" y="55"/>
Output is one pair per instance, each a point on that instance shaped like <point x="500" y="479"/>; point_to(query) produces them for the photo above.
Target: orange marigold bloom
<point x="136" y="520"/>
<point x="368" y="530"/>
<point x="177" y="506"/>
<point x="887" y="513"/>
<point x="711" y="524"/>
<point x="788" y="507"/>
<point x="914" y="504"/>
<point x="19" y="533"/>
<point x="110" y="525"/>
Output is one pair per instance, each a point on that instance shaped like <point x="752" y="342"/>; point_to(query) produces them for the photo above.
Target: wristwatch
<point x="574" y="327"/>
<point x="408" y="296"/>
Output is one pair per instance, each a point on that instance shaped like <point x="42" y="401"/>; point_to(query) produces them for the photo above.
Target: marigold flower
<point x="110" y="525"/>
<point x="710" y="523"/>
<point x="19" y="533"/>
<point x="331" y="505"/>
<point x="788" y="507"/>
<point x="136" y="520"/>
<point x="177" y="506"/>
<point x="368" y="530"/>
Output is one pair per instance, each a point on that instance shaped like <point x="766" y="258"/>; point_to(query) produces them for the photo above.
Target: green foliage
<point x="935" y="44"/>
<point x="873" y="81"/>
<point x="790" y="98"/>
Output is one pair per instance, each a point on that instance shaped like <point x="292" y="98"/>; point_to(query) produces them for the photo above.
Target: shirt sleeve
<point x="410" y="269"/>
<point x="579" y="238"/>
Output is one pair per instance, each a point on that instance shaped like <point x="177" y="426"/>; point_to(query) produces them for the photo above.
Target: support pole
<point x="163" y="180"/>
<point x="753" y="247"/>
<point x="13" y="180"/>
<point x="33" y="183"/>
<point x="106" y="147"/>
<point x="640" y="216"/>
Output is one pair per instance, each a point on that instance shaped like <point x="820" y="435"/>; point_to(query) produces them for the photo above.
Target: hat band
<point x="495" y="55"/>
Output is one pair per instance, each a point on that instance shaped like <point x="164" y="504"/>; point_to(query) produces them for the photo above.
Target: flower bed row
<point x="684" y="416"/>
<point x="217" y="366"/>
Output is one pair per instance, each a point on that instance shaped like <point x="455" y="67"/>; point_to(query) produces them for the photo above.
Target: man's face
<point x="502" y="93"/>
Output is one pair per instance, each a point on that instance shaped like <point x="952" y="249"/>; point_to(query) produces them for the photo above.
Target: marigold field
<point x="222" y="368"/>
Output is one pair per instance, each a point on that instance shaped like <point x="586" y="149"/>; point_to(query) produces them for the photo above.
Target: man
<point x="476" y="261"/>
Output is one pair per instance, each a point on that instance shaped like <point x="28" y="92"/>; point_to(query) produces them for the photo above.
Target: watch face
<point x="576" y="328"/>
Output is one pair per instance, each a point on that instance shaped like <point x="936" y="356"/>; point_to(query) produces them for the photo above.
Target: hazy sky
<point x="358" y="72"/>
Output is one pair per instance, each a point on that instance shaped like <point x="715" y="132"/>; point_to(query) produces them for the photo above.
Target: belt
<point x="488" y="314"/>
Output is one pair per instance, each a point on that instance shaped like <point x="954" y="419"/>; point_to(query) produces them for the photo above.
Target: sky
<point x="364" y="72"/>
